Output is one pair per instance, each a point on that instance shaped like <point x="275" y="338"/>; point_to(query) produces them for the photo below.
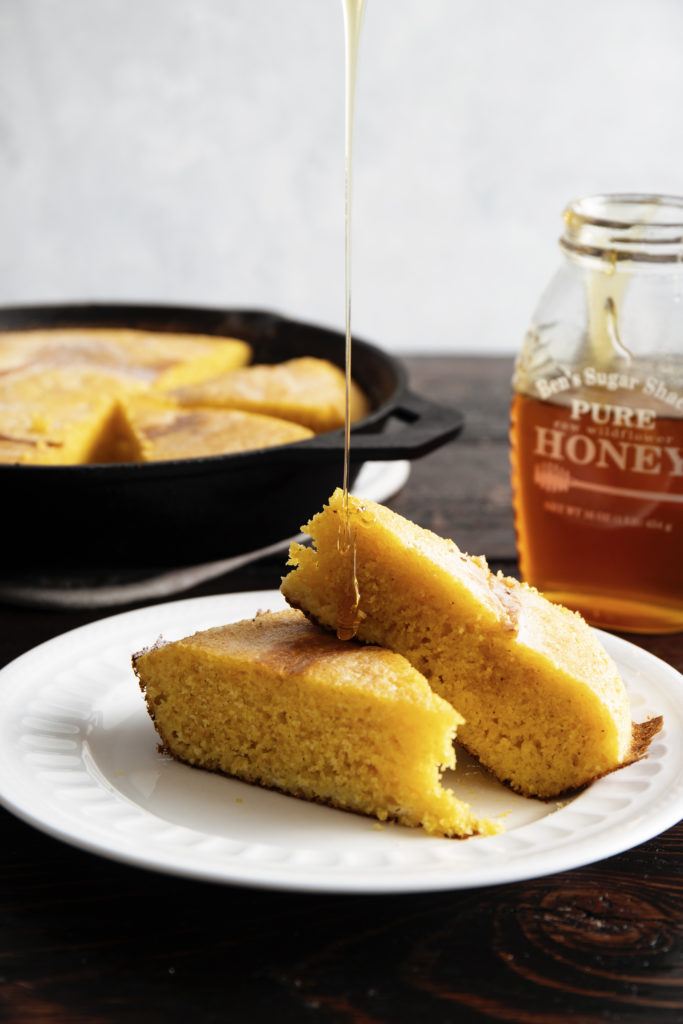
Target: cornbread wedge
<point x="162" y="359"/>
<point x="307" y="390"/>
<point x="544" y="706"/>
<point x="65" y="431"/>
<point x="278" y="702"/>
<point x="155" y="431"/>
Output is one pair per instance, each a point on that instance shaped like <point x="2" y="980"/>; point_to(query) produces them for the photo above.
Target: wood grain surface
<point x="84" y="940"/>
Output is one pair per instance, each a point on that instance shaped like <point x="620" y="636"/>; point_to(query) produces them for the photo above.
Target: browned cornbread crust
<point x="276" y="701"/>
<point x="155" y="431"/>
<point x="544" y="706"/>
<point x="305" y="390"/>
<point x="159" y="358"/>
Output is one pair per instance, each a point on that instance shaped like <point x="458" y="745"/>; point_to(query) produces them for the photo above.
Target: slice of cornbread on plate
<point x="544" y="706"/>
<point x="276" y="701"/>
<point x="154" y="430"/>
<point x="155" y="357"/>
<point x="305" y="390"/>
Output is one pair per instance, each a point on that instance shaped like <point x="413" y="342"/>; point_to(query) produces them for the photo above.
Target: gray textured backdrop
<point x="192" y="151"/>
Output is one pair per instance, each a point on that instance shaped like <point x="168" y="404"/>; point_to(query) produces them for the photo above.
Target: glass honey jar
<point x="597" y="418"/>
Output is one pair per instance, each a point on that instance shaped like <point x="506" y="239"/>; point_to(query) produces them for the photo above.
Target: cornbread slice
<point x="544" y="706"/>
<point x="44" y="386"/>
<point x="306" y="390"/>
<point x="67" y="430"/>
<point x="278" y="702"/>
<point x="159" y="358"/>
<point x="152" y="430"/>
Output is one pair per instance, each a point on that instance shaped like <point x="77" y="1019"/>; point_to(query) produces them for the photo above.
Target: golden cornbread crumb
<point x="276" y="701"/>
<point x="544" y="706"/>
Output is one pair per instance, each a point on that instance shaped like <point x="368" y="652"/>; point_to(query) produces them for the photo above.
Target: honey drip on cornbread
<point x="348" y="614"/>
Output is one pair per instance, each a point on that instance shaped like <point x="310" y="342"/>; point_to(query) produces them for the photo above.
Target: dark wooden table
<point x="83" y="939"/>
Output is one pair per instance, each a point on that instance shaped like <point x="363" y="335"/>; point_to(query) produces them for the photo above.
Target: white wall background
<point x="191" y="151"/>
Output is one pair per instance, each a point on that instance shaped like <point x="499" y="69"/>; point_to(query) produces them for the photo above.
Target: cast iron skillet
<point x="190" y="511"/>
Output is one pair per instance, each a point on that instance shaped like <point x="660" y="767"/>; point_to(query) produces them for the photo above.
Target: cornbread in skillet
<point x="278" y="702"/>
<point x="155" y="431"/>
<point x="60" y="389"/>
<point x="158" y="358"/>
<point x="544" y="706"/>
<point x="67" y="430"/>
<point x="42" y="370"/>
<point x="306" y="390"/>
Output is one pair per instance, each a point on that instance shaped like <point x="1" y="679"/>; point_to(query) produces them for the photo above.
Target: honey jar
<point x="597" y="418"/>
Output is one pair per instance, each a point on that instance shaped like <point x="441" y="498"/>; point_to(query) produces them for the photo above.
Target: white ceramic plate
<point x="79" y="760"/>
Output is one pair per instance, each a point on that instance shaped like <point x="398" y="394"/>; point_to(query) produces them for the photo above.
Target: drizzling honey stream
<point x="348" y="611"/>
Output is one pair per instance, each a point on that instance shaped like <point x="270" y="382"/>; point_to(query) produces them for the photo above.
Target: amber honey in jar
<point x="597" y="418"/>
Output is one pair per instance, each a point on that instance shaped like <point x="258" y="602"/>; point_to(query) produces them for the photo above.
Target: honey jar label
<point x="605" y="447"/>
<point x="598" y="480"/>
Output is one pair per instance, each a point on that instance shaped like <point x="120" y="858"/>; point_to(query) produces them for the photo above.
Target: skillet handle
<point x="425" y="426"/>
